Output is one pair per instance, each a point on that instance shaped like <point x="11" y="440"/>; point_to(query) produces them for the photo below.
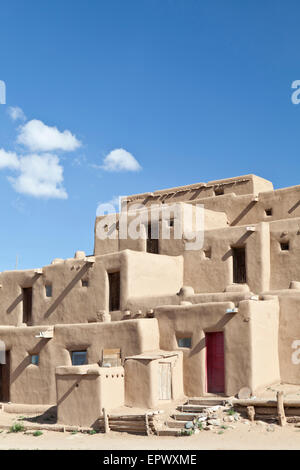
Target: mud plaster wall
<point x="73" y="303"/>
<point x="241" y="368"/>
<point x="215" y="273"/>
<point x="32" y="384"/>
<point x="82" y="393"/>
<point x="142" y="381"/>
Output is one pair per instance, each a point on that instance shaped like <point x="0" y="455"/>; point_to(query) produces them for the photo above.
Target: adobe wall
<point x="215" y="273"/>
<point x="142" y="381"/>
<point x="32" y="384"/>
<point x="243" y="365"/>
<point x="289" y="335"/>
<point x="83" y="391"/>
<point x="71" y="302"/>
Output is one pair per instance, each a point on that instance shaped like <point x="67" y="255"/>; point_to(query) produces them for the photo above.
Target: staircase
<point x="190" y="410"/>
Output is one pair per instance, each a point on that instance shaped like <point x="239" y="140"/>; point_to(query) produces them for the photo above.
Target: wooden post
<point x="251" y="413"/>
<point x="147" y="425"/>
<point x="106" y="422"/>
<point x="280" y="409"/>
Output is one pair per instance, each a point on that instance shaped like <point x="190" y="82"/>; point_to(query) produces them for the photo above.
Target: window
<point x="171" y="223"/>
<point x="152" y="243"/>
<point x="27" y="305"/>
<point x="219" y="191"/>
<point x="48" y="289"/>
<point x="79" y="358"/>
<point x="111" y="357"/>
<point x="207" y="253"/>
<point x="239" y="265"/>
<point x="34" y="359"/>
<point x="184" y="342"/>
<point x="285" y="246"/>
<point x="84" y="283"/>
<point x="269" y="212"/>
<point x="114" y="291"/>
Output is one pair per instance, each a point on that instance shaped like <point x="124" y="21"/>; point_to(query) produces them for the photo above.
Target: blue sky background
<point x="194" y="90"/>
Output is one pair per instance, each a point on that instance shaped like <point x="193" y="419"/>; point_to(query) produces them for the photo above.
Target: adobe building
<point x="147" y="320"/>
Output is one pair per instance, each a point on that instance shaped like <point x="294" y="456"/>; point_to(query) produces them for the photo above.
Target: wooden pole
<point x="147" y="424"/>
<point x="251" y="413"/>
<point x="106" y="422"/>
<point x="280" y="409"/>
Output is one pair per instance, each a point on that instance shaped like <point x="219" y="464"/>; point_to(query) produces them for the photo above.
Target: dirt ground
<point x="237" y="436"/>
<point x="255" y="436"/>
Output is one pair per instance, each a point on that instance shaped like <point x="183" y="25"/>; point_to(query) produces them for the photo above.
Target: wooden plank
<point x="106" y="422"/>
<point x="165" y="381"/>
<point x="280" y="409"/>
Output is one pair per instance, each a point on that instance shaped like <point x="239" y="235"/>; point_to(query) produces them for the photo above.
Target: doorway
<point x="114" y="291"/>
<point x="239" y="265"/>
<point x="5" y="379"/>
<point x="165" y="381"/>
<point x="152" y="239"/>
<point x="215" y="366"/>
<point x="27" y="305"/>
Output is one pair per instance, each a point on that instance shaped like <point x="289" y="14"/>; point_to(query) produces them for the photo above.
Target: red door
<point x="215" y="370"/>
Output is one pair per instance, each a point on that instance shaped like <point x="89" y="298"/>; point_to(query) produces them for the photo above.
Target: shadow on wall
<point x="66" y="291"/>
<point x="240" y="241"/>
<point x="29" y="283"/>
<point x="243" y="213"/>
<point x="68" y="392"/>
<point x="27" y="360"/>
<point x="294" y="207"/>
<point x="219" y="326"/>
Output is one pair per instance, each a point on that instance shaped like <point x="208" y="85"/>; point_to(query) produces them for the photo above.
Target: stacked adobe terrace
<point x="146" y="320"/>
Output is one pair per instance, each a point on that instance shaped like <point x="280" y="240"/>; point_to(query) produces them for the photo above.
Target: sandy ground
<point x="242" y="435"/>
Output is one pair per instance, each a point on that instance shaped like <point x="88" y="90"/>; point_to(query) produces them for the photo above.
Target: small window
<point x="171" y="223"/>
<point x="269" y="212"/>
<point x="84" y="283"/>
<point x="184" y="342"/>
<point x="285" y="246"/>
<point x="207" y="253"/>
<point x="79" y="358"/>
<point x="219" y="191"/>
<point x="111" y="358"/>
<point x="35" y="359"/>
<point x="48" y="290"/>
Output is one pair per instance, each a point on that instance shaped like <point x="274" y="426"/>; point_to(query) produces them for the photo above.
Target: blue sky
<point x="192" y="90"/>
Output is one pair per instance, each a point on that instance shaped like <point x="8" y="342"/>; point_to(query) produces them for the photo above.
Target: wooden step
<point x="168" y="432"/>
<point x="176" y="424"/>
<point x="192" y="408"/>
<point x="185" y="416"/>
<point x="206" y="401"/>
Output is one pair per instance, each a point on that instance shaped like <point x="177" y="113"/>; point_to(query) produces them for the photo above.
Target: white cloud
<point x="16" y="113"/>
<point x="8" y="160"/>
<point x="39" y="137"/>
<point x="120" y="160"/>
<point x="40" y="176"/>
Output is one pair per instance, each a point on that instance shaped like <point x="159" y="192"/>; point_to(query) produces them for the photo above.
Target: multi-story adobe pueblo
<point x="146" y="320"/>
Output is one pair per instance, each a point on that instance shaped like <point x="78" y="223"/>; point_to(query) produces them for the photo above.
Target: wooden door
<point x="165" y="381"/>
<point x="215" y="368"/>
<point x="5" y="379"/>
